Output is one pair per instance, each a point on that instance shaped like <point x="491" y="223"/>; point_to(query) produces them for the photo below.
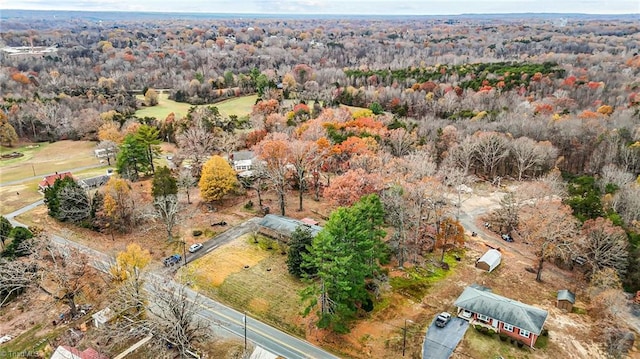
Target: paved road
<point x="217" y="314"/>
<point x="41" y="176"/>
<point x="439" y="343"/>
<point x="20" y="211"/>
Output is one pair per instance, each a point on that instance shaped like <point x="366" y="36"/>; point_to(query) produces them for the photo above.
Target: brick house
<point x="49" y="180"/>
<point x="517" y="320"/>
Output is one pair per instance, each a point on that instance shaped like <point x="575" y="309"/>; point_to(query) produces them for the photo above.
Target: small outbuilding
<point x="489" y="261"/>
<point x="102" y="317"/>
<point x="566" y="300"/>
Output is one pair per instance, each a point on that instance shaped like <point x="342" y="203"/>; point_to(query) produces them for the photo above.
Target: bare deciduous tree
<point x="174" y="311"/>
<point x="15" y="277"/>
<point x="491" y="149"/>
<point x="604" y="245"/>
<point x="168" y="209"/>
<point x="186" y="182"/>
<point x="63" y="272"/>
<point x="551" y="228"/>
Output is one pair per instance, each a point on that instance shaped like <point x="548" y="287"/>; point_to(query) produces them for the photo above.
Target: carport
<point x="439" y="343"/>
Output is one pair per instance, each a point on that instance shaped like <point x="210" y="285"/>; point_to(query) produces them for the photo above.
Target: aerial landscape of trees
<point x="381" y="128"/>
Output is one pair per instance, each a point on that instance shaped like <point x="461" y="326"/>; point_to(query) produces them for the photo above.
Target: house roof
<point x="67" y="352"/>
<point x="310" y="221"/>
<point x="491" y="257"/>
<point x="565" y="294"/>
<point x="242" y="155"/>
<point x="503" y="309"/>
<point x="95" y="181"/>
<point x="286" y="225"/>
<point x="49" y="180"/>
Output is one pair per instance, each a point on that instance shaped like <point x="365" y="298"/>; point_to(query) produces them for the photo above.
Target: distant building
<point x="282" y="228"/>
<point x="489" y="261"/>
<point x="566" y="300"/>
<point x="49" y="180"/>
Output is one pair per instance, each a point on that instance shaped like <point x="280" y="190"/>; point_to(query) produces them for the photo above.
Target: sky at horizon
<point x="346" y="7"/>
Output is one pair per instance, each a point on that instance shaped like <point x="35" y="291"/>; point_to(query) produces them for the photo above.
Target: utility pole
<point x="244" y="320"/>
<point x="404" y="335"/>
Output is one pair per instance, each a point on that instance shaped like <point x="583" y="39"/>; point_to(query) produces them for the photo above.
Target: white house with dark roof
<point x="242" y="160"/>
<point x="517" y="320"/>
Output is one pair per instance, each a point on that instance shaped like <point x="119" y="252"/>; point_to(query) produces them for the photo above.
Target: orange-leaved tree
<point x="273" y="151"/>
<point x="348" y="188"/>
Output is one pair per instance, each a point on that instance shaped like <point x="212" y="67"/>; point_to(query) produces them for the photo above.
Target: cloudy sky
<point x="364" y="7"/>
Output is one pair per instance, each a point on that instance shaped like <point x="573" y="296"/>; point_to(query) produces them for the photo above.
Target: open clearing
<point x="47" y="158"/>
<point x="240" y="106"/>
<point x="251" y="278"/>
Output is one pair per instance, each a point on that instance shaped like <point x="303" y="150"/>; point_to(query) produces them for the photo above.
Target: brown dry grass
<point x="249" y="278"/>
<point x="231" y="258"/>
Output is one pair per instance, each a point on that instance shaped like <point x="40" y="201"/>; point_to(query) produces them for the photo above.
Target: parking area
<point x="439" y="343"/>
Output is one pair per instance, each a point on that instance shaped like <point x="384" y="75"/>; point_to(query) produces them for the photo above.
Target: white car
<point x="195" y="247"/>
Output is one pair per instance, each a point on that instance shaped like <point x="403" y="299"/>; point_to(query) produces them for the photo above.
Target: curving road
<point x="217" y="314"/>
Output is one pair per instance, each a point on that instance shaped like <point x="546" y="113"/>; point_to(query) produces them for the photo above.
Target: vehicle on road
<point x="507" y="237"/>
<point x="442" y="319"/>
<point x="195" y="247"/>
<point x="171" y="260"/>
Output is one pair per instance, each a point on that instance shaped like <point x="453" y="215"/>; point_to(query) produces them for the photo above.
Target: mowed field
<point x="240" y="106"/>
<point x="42" y="159"/>
<point x="250" y="278"/>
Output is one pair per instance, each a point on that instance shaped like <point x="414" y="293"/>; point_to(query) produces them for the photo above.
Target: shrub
<point x="197" y="232"/>
<point x="503" y="337"/>
<point x="248" y="205"/>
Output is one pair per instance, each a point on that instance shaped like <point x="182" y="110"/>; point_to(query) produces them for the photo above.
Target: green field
<point x="47" y="158"/>
<point x="240" y="106"/>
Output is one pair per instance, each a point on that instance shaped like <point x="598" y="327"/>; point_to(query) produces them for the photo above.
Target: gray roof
<point x="491" y="257"/>
<point x="564" y="294"/>
<point x="243" y="155"/>
<point x="286" y="225"/>
<point x="503" y="309"/>
<point x="95" y="181"/>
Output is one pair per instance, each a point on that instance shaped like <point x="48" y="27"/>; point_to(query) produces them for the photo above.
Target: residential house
<point x="67" y="352"/>
<point x="489" y="261"/>
<point x="517" y="320"/>
<point x="566" y="299"/>
<point x="49" y="180"/>
<point x="281" y="228"/>
<point x="242" y="160"/>
<point x="94" y="182"/>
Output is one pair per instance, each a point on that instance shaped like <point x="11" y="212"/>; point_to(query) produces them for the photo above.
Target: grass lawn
<point x="478" y="345"/>
<point x="48" y="158"/>
<point x="240" y="106"/>
<point x="265" y="289"/>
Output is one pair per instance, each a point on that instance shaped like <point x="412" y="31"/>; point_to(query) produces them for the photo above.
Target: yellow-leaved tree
<point x="131" y="298"/>
<point x="217" y="179"/>
<point x="130" y="263"/>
